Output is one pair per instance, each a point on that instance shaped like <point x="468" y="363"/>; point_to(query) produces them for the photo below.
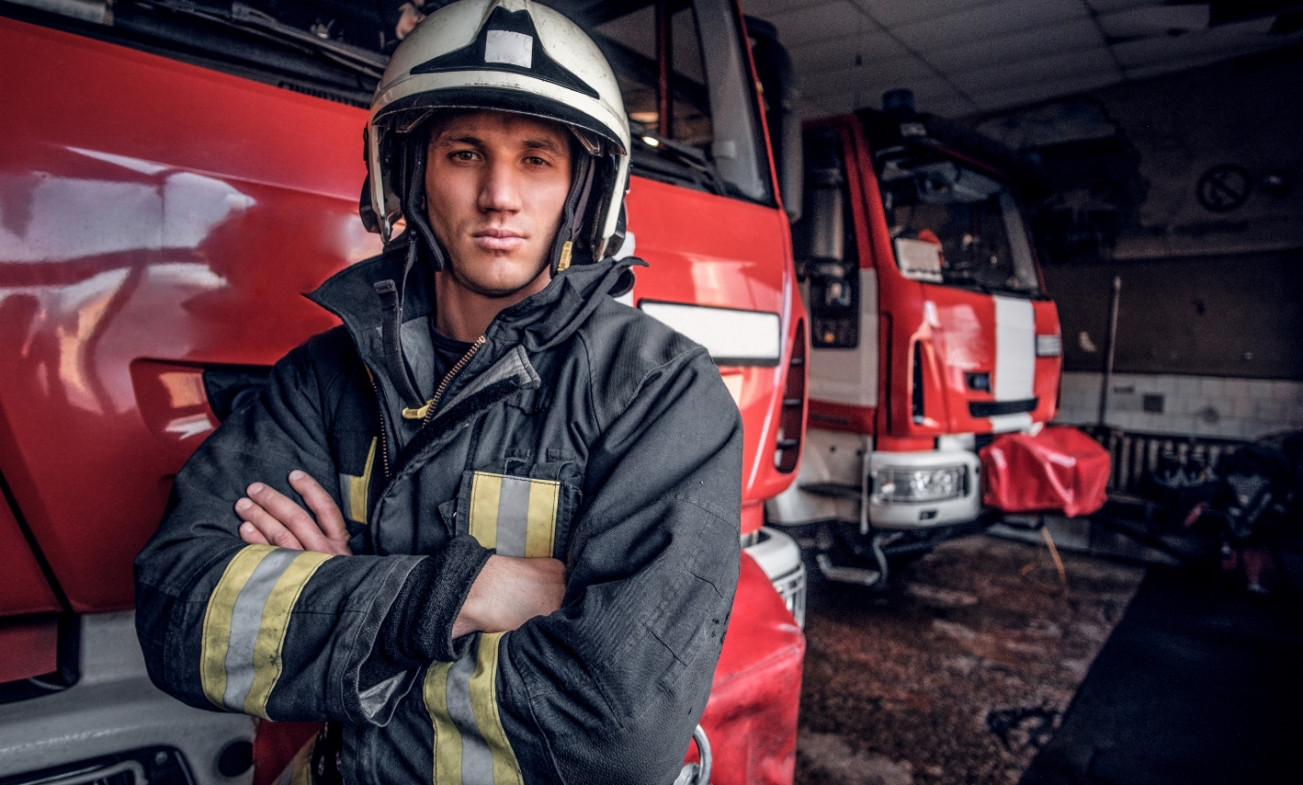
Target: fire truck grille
<point x="791" y="587"/>
<point x="997" y="408"/>
<point x="150" y="766"/>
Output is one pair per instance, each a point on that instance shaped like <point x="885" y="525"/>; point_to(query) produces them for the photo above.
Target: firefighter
<point x="487" y="529"/>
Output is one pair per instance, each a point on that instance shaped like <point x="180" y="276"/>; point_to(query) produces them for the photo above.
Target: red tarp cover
<point x="1057" y="470"/>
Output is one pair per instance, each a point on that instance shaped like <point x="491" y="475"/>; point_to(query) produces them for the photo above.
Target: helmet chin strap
<point x="418" y="223"/>
<point x="563" y="248"/>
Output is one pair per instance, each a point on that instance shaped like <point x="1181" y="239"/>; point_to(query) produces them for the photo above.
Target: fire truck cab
<point x="930" y="332"/>
<point x="173" y="176"/>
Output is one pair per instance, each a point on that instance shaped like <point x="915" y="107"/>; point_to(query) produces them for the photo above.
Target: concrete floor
<point x="958" y="673"/>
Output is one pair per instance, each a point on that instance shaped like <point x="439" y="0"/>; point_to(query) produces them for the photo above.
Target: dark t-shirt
<point x="447" y="351"/>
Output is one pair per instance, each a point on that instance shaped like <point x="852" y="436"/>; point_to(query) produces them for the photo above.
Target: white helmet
<point x="509" y="55"/>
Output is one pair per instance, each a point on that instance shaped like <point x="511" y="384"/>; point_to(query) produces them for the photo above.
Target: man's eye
<point x="534" y="160"/>
<point x="464" y="155"/>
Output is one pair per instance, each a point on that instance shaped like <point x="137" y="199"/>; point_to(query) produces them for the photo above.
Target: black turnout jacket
<point x="580" y="429"/>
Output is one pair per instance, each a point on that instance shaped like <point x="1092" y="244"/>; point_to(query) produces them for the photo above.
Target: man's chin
<point x="494" y="288"/>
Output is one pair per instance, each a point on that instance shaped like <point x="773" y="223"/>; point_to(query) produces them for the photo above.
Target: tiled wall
<point x="1210" y="406"/>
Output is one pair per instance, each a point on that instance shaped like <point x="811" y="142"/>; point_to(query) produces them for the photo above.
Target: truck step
<point x="835" y="490"/>
<point x="858" y="575"/>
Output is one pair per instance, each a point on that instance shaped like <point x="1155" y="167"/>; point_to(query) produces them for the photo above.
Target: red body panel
<point x="751" y="717"/>
<point x="180" y="225"/>
<point x="23" y="589"/>
<point x="28" y="647"/>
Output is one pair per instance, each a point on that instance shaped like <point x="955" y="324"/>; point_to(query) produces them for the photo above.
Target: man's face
<point x="495" y="186"/>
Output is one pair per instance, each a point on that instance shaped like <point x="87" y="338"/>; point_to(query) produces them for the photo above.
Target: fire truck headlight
<point x="1049" y="345"/>
<point x="931" y="484"/>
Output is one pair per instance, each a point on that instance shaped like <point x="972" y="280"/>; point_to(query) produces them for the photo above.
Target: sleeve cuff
<point x="418" y="627"/>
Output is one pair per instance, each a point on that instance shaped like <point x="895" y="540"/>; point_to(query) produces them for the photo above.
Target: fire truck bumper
<point x="920" y="490"/>
<point x="780" y="557"/>
<point x="115" y="726"/>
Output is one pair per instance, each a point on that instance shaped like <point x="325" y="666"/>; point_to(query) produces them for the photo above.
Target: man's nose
<point x="500" y="189"/>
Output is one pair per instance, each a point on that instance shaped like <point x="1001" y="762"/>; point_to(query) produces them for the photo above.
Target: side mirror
<point x="778" y="82"/>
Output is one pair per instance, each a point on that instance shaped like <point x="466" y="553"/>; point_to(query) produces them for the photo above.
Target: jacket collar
<point x="538" y="322"/>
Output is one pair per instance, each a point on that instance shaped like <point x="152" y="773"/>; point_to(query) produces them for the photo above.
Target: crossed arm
<point x="507" y="592"/>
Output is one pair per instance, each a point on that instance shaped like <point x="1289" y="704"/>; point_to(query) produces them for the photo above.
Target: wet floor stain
<point x="959" y="672"/>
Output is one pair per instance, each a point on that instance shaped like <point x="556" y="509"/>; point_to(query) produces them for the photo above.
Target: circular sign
<point x="1224" y="187"/>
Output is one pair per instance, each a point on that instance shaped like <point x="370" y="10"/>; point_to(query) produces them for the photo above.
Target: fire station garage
<point x="1152" y="633"/>
<point x="1007" y="294"/>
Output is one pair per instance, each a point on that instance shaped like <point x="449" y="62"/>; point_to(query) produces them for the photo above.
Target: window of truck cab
<point x="954" y="225"/>
<point x="693" y="118"/>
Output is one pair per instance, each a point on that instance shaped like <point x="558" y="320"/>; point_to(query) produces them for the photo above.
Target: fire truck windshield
<point x="953" y="225"/>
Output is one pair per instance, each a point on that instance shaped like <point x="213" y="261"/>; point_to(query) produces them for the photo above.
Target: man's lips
<point x="498" y="239"/>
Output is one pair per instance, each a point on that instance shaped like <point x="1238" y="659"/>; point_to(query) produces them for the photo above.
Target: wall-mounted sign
<point x="1224" y="187"/>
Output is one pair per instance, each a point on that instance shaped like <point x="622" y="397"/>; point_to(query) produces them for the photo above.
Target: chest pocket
<point x="517" y="516"/>
<point x="354" y="489"/>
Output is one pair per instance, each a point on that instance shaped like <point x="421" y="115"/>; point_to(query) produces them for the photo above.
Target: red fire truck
<point x="173" y="175"/>
<point x="931" y="332"/>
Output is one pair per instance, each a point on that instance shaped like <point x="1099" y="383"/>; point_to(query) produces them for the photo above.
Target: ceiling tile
<point x="1070" y="36"/>
<point x="990" y="21"/>
<point x="841" y="52"/>
<point x="1104" y="6"/>
<point x="1041" y="91"/>
<point x="1221" y="41"/>
<point x="1154" y="20"/>
<point x="869" y="80"/>
<point x="1014" y="75"/>
<point x="820" y="22"/>
<point x="870" y="93"/>
<point x="1171" y="66"/>
<point x="893" y="13"/>
<point x="768" y="8"/>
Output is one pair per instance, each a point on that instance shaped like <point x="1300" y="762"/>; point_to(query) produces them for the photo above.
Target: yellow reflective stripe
<point x="486" y="493"/>
<point x="216" y="636"/>
<point x="484" y="704"/>
<point x="275" y="621"/>
<point x="541" y="529"/>
<point x="359" y="486"/>
<point x="447" y="740"/>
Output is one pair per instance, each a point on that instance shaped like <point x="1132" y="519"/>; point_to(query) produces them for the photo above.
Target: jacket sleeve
<point x="609" y="688"/>
<point x="271" y="632"/>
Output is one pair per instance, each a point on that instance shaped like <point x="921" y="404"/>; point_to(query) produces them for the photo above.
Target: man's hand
<point x="509" y="592"/>
<point x="272" y="518"/>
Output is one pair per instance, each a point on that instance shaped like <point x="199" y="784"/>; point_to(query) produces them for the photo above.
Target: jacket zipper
<point x="429" y="413"/>
<point x="447" y="378"/>
<point x="380" y="409"/>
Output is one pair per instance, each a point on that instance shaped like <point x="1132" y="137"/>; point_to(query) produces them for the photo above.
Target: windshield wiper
<point x="242" y="17"/>
<point x="965" y="278"/>
<point x="685" y="155"/>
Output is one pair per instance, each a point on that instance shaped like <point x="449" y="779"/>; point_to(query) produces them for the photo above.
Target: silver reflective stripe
<point x="513" y="516"/>
<point x="246" y="620"/>
<point x="476" y="759"/>
<point x="346" y="494"/>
